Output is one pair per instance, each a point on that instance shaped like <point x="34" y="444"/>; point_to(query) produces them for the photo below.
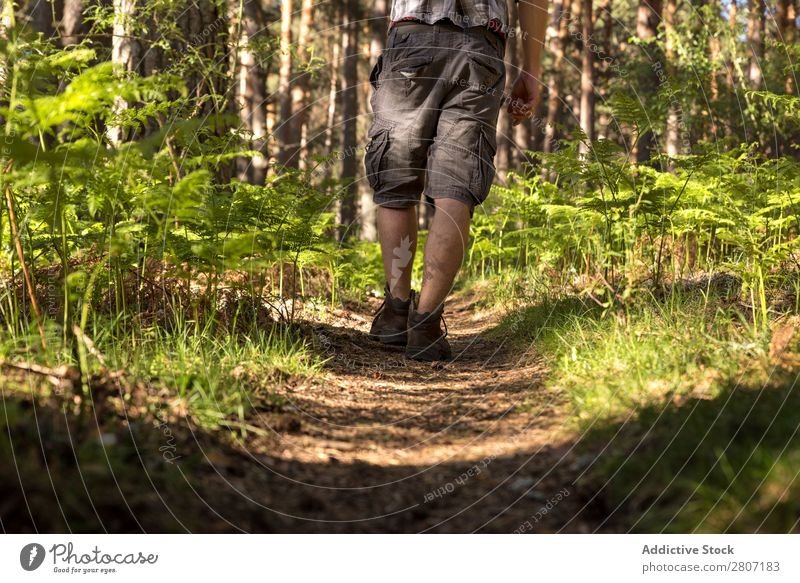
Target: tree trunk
<point x="755" y="40"/>
<point x="714" y="49"/>
<point x="250" y="92"/>
<point x="377" y="42"/>
<point x="673" y="130"/>
<point x="730" y="75"/>
<point x="72" y="25"/>
<point x="574" y="98"/>
<point x="587" y="76"/>
<point x="299" y="121"/>
<point x="603" y="71"/>
<point x="333" y="94"/>
<point x="125" y="55"/>
<point x="506" y="145"/>
<point x="285" y="138"/>
<point x="648" y="16"/>
<point x="786" y="18"/>
<point x="350" y="161"/>
<point x="554" y="81"/>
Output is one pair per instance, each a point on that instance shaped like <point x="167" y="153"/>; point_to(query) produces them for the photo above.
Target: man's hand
<point x="524" y="98"/>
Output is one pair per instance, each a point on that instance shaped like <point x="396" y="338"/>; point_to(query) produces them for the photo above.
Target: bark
<point x="285" y="138"/>
<point x="125" y="54"/>
<point x="250" y="92"/>
<point x="602" y="69"/>
<point x="786" y="17"/>
<point x="72" y="25"/>
<point x="648" y="15"/>
<point x="755" y="39"/>
<point x="587" y="75"/>
<point x="350" y="161"/>
<point x="298" y="127"/>
<point x="714" y="49"/>
<point x="574" y="98"/>
<point x="376" y="28"/>
<point x="554" y="82"/>
<point x="730" y="79"/>
<point x="335" y="47"/>
<point x="673" y="130"/>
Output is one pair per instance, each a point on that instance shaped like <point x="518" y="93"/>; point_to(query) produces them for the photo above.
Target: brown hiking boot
<point x="389" y="325"/>
<point x="426" y="340"/>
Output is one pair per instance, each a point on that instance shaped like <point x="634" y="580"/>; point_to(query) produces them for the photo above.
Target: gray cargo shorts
<point x="437" y="94"/>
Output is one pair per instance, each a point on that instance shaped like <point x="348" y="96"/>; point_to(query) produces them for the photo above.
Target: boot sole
<point x="426" y="355"/>
<point x="392" y="341"/>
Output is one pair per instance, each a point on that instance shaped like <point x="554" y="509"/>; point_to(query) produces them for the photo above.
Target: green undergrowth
<point x="218" y="379"/>
<point x="686" y="419"/>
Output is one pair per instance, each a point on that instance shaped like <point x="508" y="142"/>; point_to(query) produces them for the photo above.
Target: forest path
<point x="381" y="443"/>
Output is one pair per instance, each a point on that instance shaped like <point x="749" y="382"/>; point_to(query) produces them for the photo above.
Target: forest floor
<point x="375" y="443"/>
<point x="548" y="420"/>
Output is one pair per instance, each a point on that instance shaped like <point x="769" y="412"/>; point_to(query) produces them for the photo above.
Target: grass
<point x="690" y="424"/>
<point x="217" y="378"/>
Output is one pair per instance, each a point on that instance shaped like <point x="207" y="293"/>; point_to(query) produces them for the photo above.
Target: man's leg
<point x="397" y="231"/>
<point x="444" y="251"/>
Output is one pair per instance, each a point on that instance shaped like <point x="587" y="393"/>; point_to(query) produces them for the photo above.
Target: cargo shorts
<point x="437" y="94"/>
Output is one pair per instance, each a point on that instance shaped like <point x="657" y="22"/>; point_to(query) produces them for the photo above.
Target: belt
<point x="417" y="26"/>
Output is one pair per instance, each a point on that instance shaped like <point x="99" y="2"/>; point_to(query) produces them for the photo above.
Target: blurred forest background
<point x="184" y="210"/>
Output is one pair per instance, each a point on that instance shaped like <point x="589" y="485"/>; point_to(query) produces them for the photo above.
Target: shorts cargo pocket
<point x="485" y="169"/>
<point x="374" y="159"/>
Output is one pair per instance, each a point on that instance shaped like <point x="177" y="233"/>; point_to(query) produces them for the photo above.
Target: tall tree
<point x="786" y="19"/>
<point x="125" y="54"/>
<point x="298" y="127"/>
<point x="72" y="23"/>
<point x="756" y="15"/>
<point x="587" y="74"/>
<point x="648" y="15"/>
<point x="250" y="90"/>
<point x="673" y="131"/>
<point x="375" y="29"/>
<point x="350" y="92"/>
<point x="285" y="138"/>
<point x="555" y="81"/>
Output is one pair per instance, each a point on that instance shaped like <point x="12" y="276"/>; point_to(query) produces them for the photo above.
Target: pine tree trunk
<point x="648" y="16"/>
<point x="350" y="161"/>
<point x="587" y="76"/>
<point x="786" y="18"/>
<point x="755" y="39"/>
<point x="377" y="29"/>
<point x="715" y="49"/>
<point x="603" y="71"/>
<point x="673" y="131"/>
<point x="335" y="48"/>
<point x="72" y="25"/>
<point x="250" y="92"/>
<point x="554" y="81"/>
<point x="285" y="138"/>
<point x="125" y="55"/>
<point x="298" y="128"/>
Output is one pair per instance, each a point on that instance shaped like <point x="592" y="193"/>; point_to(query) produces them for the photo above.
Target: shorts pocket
<point x="375" y="154"/>
<point x="485" y="171"/>
<point x="409" y="71"/>
<point x="375" y="75"/>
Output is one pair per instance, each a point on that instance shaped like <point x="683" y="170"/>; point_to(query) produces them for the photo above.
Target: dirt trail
<point x="386" y="444"/>
<point x="375" y="443"/>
